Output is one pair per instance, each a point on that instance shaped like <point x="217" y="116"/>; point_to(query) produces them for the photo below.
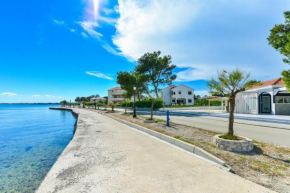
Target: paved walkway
<point x="107" y="156"/>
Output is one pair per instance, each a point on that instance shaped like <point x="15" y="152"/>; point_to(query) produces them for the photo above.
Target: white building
<point x="271" y="97"/>
<point x="178" y="95"/>
<point x="97" y="99"/>
<point x="114" y="95"/>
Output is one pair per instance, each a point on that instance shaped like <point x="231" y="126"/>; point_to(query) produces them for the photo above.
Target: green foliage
<point x="230" y="84"/>
<point x="204" y="102"/>
<point x="126" y="81"/>
<point x="86" y="99"/>
<point x="229" y="137"/>
<point x="155" y="71"/>
<point x="286" y="78"/>
<point x="279" y="39"/>
<point x="112" y="105"/>
<point x="64" y="103"/>
<point x="129" y="104"/>
<point x="147" y="104"/>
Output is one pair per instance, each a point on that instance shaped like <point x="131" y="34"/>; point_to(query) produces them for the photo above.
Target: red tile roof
<point x="276" y="81"/>
<point x="116" y="88"/>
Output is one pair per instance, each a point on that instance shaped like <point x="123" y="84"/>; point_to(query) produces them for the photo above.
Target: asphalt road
<point x="270" y="132"/>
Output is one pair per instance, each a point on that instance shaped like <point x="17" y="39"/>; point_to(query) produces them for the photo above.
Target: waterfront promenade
<point x="108" y="156"/>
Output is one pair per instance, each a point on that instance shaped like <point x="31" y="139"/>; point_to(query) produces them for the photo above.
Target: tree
<point x="279" y="39"/>
<point x="126" y="81"/>
<point x="63" y="103"/>
<point x="127" y="96"/>
<point x="99" y="104"/>
<point x="230" y="84"/>
<point x="112" y="105"/>
<point x="129" y="79"/>
<point x="154" y="71"/>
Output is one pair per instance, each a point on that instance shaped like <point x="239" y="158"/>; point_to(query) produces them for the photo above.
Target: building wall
<point x="166" y="95"/>
<point x="184" y="94"/>
<point x="282" y="109"/>
<point x="111" y="94"/>
<point x="247" y="103"/>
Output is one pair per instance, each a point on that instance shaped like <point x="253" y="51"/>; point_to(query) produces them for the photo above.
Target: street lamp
<point x="134" y="108"/>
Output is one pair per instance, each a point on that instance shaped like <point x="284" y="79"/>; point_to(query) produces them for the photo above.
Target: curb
<point x="196" y="151"/>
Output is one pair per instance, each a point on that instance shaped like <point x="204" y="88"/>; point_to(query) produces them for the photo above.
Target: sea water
<point x="31" y="139"/>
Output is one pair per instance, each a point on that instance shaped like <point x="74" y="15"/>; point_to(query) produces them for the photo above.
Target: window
<point x="282" y="99"/>
<point x="173" y="93"/>
<point x="189" y="93"/>
<point x="179" y="92"/>
<point x="173" y="101"/>
<point x="189" y="101"/>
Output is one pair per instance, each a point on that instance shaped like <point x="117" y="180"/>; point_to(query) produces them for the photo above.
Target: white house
<point x="177" y="95"/>
<point x="114" y="95"/>
<point x="97" y="99"/>
<point x="271" y="97"/>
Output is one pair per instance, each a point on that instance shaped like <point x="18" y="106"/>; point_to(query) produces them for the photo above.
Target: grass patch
<point x="182" y="139"/>
<point x="259" y="144"/>
<point x="229" y="137"/>
<point x="287" y="160"/>
<point x="243" y="159"/>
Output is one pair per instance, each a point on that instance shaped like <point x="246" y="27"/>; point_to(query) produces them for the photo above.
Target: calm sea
<point x="31" y="139"/>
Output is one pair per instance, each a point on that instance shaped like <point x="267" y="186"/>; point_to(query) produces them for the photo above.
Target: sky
<point x="53" y="50"/>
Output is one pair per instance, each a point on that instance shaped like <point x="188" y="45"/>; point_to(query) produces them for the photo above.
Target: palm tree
<point x="230" y="84"/>
<point x="112" y="105"/>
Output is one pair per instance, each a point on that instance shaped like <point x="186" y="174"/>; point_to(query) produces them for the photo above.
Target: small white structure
<point x="97" y="99"/>
<point x="114" y="95"/>
<point x="271" y="97"/>
<point x="177" y="95"/>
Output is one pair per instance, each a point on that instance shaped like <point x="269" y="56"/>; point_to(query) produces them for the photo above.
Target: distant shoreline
<point x="29" y="103"/>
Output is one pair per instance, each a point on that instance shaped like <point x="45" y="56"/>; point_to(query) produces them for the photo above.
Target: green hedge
<point x="204" y="102"/>
<point x="144" y="104"/>
<point x="147" y="104"/>
<point x="129" y="104"/>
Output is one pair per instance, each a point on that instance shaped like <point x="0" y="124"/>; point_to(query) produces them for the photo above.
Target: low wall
<point x="282" y="108"/>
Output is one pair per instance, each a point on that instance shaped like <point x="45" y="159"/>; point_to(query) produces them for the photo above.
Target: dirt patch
<point x="267" y="165"/>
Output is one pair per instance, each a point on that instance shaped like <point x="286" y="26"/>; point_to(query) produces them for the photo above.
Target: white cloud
<point x="51" y="96"/>
<point x="99" y="75"/>
<point x="58" y="22"/>
<point x="84" y="35"/>
<point x="36" y="95"/>
<point x="203" y="36"/>
<point x="89" y="27"/>
<point x="72" y="30"/>
<point x="8" y="94"/>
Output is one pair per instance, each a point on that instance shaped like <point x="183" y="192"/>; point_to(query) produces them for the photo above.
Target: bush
<point x="204" y="102"/>
<point x="129" y="104"/>
<point x="147" y="104"/>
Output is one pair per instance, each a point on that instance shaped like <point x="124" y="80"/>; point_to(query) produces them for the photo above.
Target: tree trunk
<point x="152" y="107"/>
<point x="231" y="117"/>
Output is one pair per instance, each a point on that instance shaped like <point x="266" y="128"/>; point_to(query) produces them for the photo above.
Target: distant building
<point x="97" y="99"/>
<point x="271" y="97"/>
<point x="114" y="95"/>
<point x="178" y="95"/>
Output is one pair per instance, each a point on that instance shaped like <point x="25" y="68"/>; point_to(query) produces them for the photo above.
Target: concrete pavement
<point x="108" y="156"/>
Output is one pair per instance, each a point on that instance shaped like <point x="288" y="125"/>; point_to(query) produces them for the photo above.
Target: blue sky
<point x="55" y="50"/>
